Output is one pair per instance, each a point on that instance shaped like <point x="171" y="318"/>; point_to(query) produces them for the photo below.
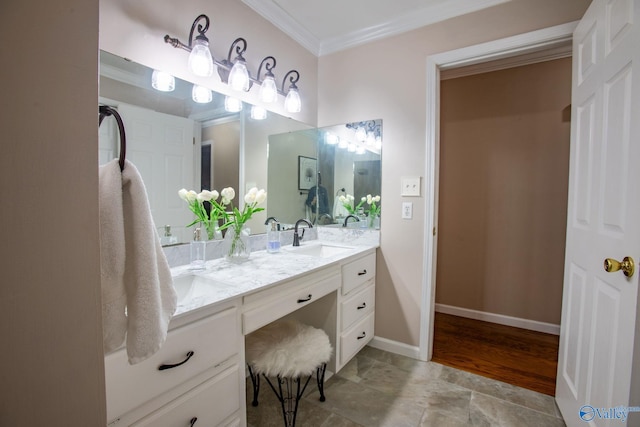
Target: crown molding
<point x="285" y="23"/>
<point x="410" y="21"/>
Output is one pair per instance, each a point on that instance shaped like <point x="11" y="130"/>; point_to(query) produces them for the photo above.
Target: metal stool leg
<point x="288" y="398"/>
<point x="320" y="377"/>
<point x="255" y="380"/>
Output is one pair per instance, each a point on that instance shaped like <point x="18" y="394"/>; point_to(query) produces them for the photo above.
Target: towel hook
<point x="105" y="111"/>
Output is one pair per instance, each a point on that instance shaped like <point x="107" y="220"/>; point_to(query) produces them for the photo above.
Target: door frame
<point x="535" y="41"/>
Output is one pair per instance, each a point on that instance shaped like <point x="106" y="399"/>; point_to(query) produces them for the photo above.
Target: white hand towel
<point x="138" y="298"/>
<point x="151" y="297"/>
<point x="112" y="256"/>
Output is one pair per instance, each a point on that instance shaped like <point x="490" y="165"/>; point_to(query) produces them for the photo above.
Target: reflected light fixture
<point x="258" y="113"/>
<point x="332" y="138"/>
<point x="232" y="105"/>
<point x="234" y="72"/>
<point x="343" y="143"/>
<point x="360" y="149"/>
<point x="201" y="94"/>
<point x="162" y="81"/>
<point x="351" y="147"/>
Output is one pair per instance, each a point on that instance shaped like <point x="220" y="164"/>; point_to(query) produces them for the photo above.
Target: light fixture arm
<point x="269" y="64"/>
<point x="175" y="42"/>
<point x="292" y="79"/>
<point x="201" y="29"/>
<point x="239" y="50"/>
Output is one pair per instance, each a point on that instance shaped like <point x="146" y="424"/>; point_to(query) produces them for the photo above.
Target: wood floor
<point x="516" y="356"/>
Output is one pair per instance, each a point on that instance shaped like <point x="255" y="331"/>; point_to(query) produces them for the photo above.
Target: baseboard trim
<point x="395" y="347"/>
<point x="532" y="325"/>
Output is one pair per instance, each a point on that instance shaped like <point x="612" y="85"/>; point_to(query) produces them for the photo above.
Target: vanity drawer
<point x="355" y="338"/>
<point x="357" y="272"/>
<point x="287" y="301"/>
<point x="357" y="306"/>
<point x="212" y="341"/>
<point x="211" y="402"/>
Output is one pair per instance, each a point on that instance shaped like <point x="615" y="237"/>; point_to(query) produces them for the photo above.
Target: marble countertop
<point x="222" y="280"/>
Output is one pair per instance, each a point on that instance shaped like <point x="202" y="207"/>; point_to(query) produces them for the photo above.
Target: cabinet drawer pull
<point x="300" y="301"/>
<point x="193" y="421"/>
<point x="163" y="367"/>
<point x="362" y="273"/>
<point x="364" y="305"/>
<point x="364" y="334"/>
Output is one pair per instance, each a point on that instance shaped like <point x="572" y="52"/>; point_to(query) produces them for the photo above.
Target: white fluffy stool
<point x="287" y="350"/>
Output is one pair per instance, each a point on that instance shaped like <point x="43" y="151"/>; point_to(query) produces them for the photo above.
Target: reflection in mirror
<point x="309" y="170"/>
<point x="177" y="143"/>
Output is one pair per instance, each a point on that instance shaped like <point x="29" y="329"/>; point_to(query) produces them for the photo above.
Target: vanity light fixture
<point x="331" y="138"/>
<point x="268" y="89"/>
<point x="201" y="94"/>
<point x="232" y="105"/>
<point x="162" y="81"/>
<point x="234" y="72"/>
<point x="200" y="59"/>
<point x="258" y="113"/>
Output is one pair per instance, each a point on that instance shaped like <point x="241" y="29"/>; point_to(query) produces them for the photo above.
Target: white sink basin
<point x="187" y="286"/>
<point x="320" y="250"/>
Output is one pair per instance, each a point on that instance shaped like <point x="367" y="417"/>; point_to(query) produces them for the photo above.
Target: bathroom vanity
<point x="198" y="376"/>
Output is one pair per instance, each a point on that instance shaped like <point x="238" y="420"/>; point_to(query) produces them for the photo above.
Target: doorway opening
<point x="503" y="184"/>
<point x="508" y="53"/>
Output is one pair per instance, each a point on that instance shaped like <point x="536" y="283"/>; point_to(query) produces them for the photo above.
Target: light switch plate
<point x="410" y="186"/>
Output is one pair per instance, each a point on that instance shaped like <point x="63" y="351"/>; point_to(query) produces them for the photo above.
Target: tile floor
<point x="378" y="388"/>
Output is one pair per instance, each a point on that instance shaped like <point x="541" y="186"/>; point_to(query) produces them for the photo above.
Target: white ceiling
<point x="326" y="26"/>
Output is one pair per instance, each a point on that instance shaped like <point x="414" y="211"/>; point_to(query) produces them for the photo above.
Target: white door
<point x="599" y="308"/>
<point x="161" y="147"/>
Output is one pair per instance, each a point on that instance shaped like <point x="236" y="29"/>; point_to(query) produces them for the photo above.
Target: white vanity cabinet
<point x="198" y="373"/>
<point x="356" y="306"/>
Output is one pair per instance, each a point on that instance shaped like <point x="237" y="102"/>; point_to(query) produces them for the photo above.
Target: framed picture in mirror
<point x="307" y="171"/>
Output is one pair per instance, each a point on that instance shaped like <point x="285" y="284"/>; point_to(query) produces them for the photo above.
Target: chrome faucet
<point x="347" y="219"/>
<point x="296" y="237"/>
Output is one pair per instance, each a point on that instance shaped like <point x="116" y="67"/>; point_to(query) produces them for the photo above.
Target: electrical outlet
<point x="407" y="210"/>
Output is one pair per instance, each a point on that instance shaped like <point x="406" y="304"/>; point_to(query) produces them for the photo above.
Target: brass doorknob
<point x="627" y="266"/>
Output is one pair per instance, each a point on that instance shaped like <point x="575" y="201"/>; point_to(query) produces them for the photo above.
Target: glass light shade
<point x="332" y="138"/>
<point x="201" y="94"/>
<point x="232" y="105"/>
<point x="258" y="113"/>
<point x="268" y="90"/>
<point x="360" y="149"/>
<point x="351" y="148"/>
<point x="292" y="102"/>
<point x="361" y="134"/>
<point x="371" y="138"/>
<point x="162" y="81"/>
<point x="200" y="59"/>
<point x="343" y="143"/>
<point x="239" y="76"/>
